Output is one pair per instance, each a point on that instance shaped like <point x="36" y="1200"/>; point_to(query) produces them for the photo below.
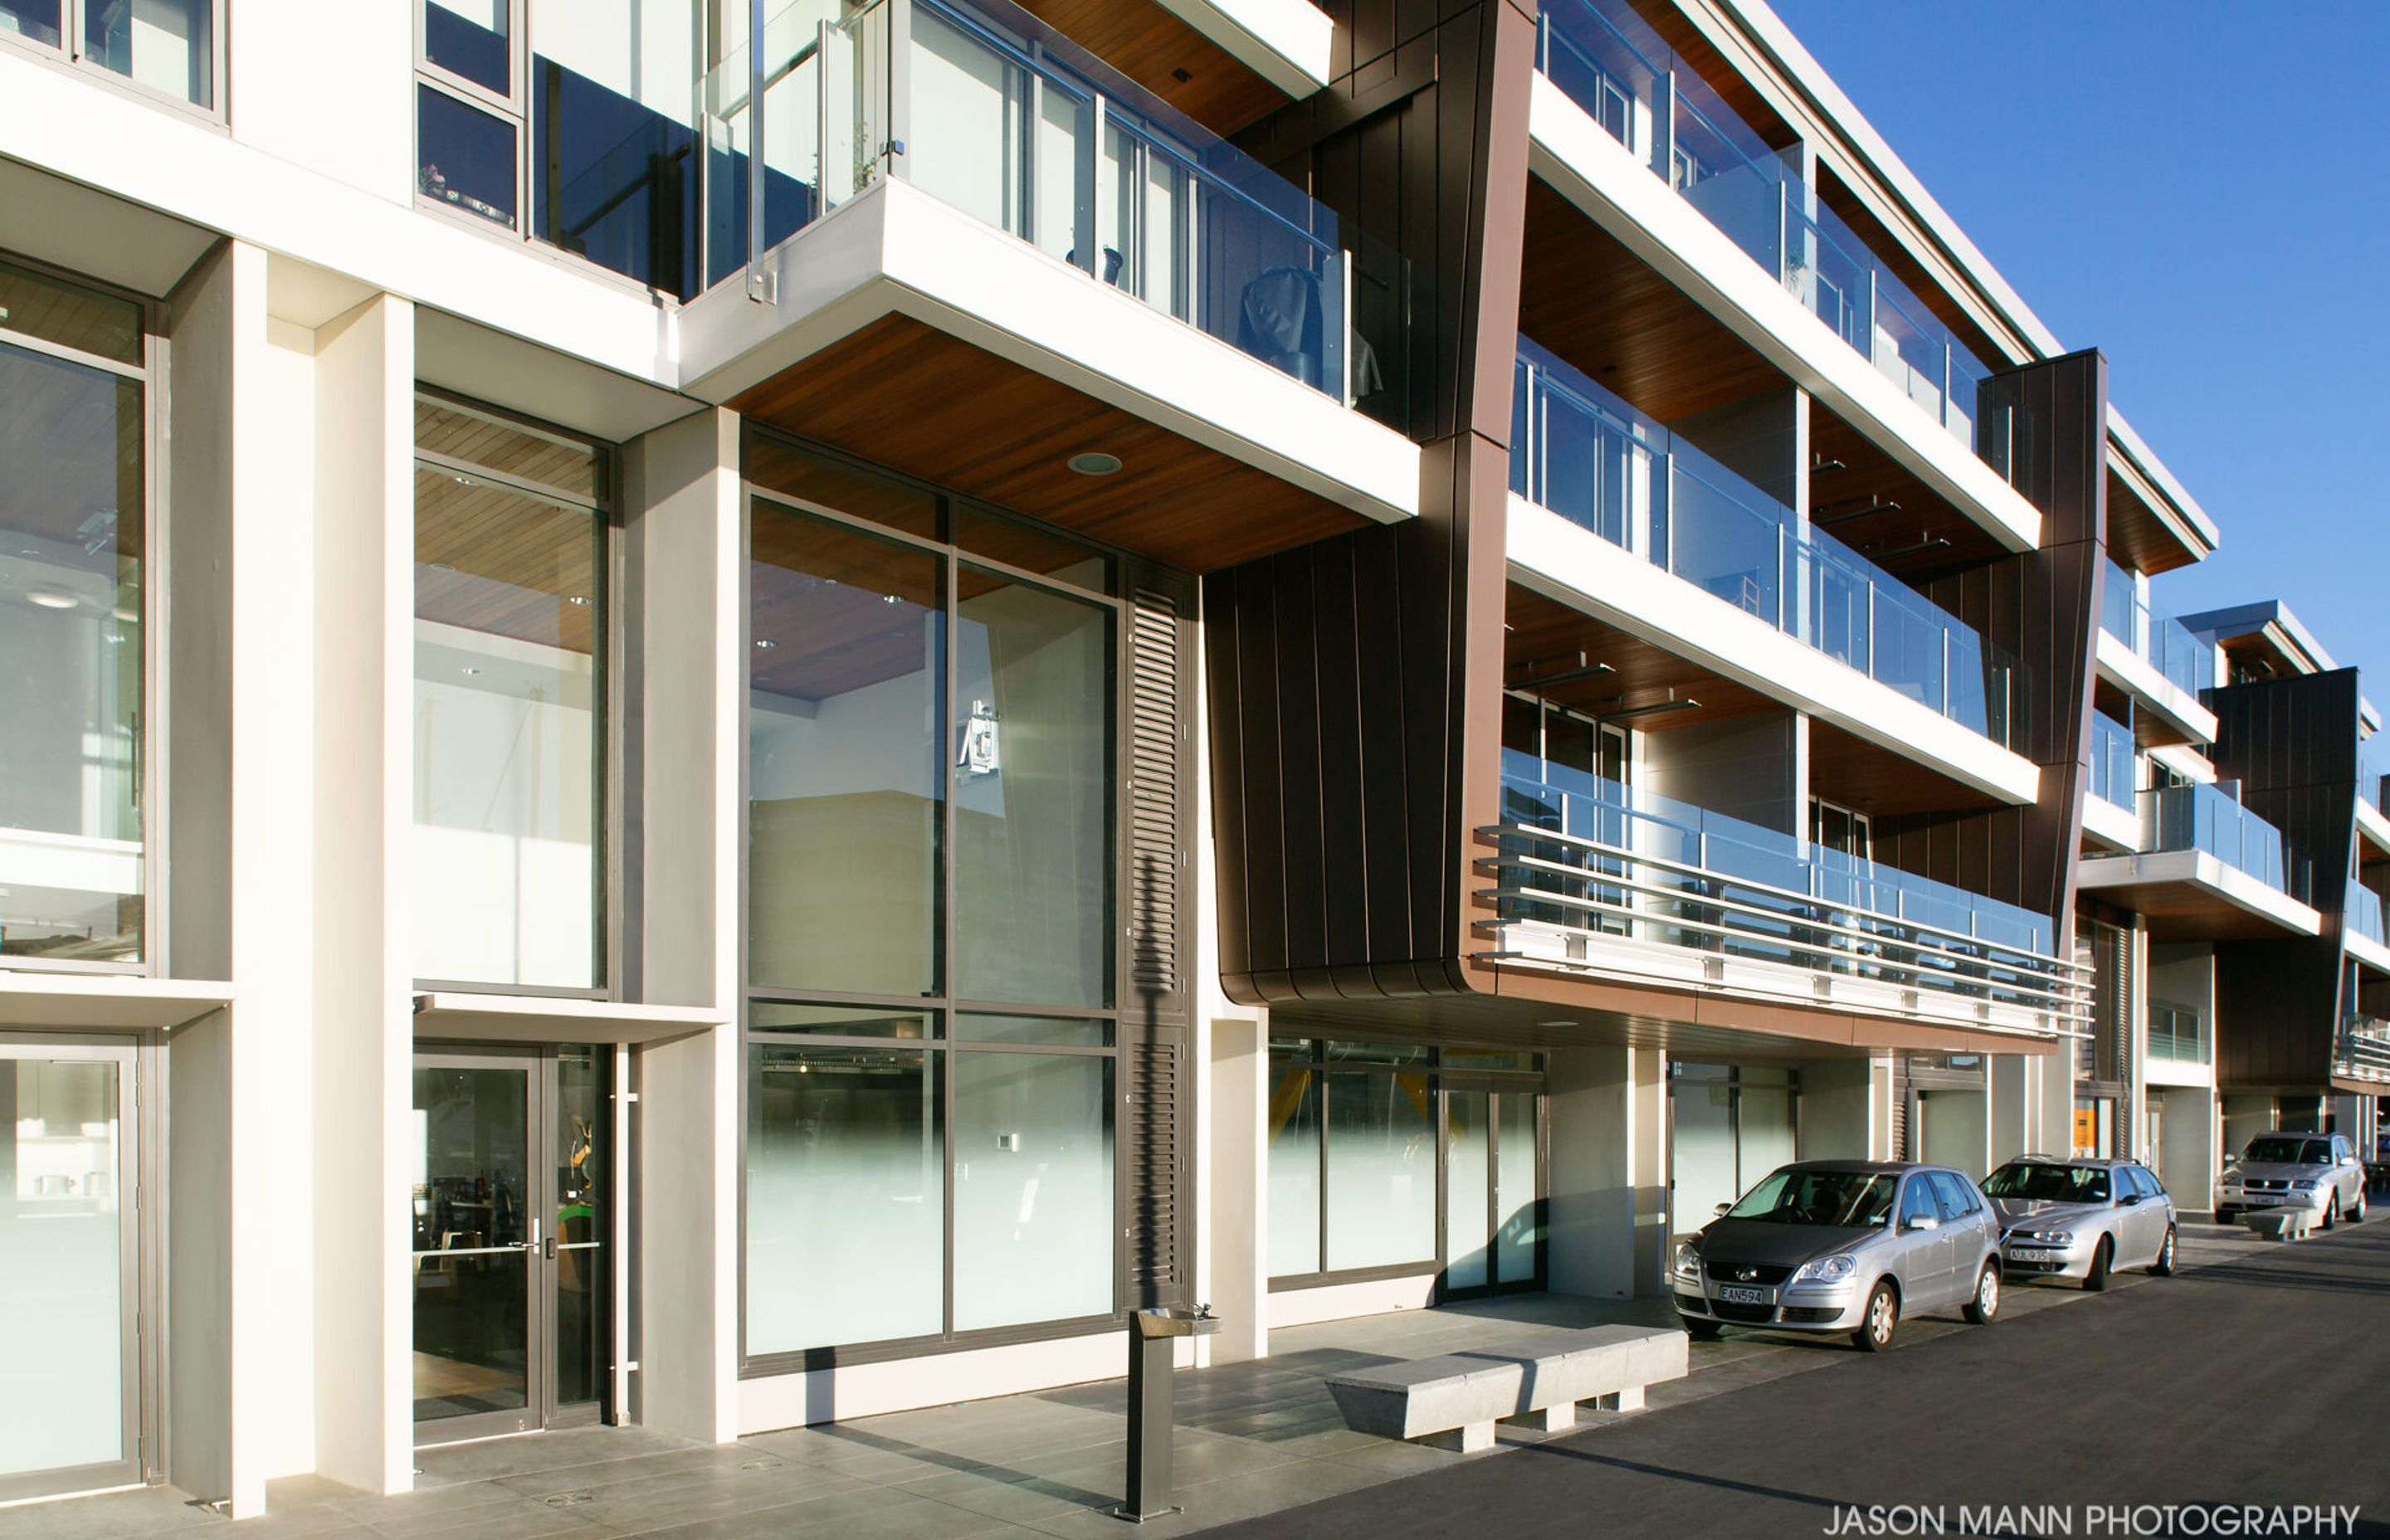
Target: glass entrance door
<point x="70" y="1400"/>
<point x="1492" y="1225"/>
<point x="508" y="1205"/>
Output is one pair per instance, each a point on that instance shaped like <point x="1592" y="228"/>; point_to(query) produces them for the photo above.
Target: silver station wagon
<point x="2081" y="1219"/>
<point x="2318" y="1173"/>
<point x="1842" y="1246"/>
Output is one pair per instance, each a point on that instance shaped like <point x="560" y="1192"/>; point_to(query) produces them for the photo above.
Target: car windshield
<point x="2287" y="1152"/>
<point x="1845" y="1199"/>
<point x="2049" y="1184"/>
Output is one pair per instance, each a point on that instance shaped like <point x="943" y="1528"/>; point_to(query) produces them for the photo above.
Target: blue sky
<point x="2202" y="191"/>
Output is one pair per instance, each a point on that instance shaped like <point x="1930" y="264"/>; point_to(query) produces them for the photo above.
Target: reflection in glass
<point x="465" y="157"/>
<point x="1294" y="1170"/>
<point x="167" y="45"/>
<point x="472" y="1165"/>
<point x="1469" y="1221"/>
<point x="509" y="610"/>
<point x="467" y="38"/>
<point x="1381" y="1197"/>
<point x="36" y="19"/>
<point x="1520" y="1222"/>
<point x="614" y="139"/>
<point x="1061" y="1032"/>
<point x="845" y="1219"/>
<point x="61" y="1289"/>
<point x="842" y="1021"/>
<point x="72" y="550"/>
<point x="579" y="1224"/>
<point x="843" y="775"/>
<point x="1032" y="1187"/>
<point x="1032" y="738"/>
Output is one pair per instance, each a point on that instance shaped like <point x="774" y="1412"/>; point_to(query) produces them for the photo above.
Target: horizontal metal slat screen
<point x="1158" y="1083"/>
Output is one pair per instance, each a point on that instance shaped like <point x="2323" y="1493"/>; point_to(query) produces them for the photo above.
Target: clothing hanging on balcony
<point x="1282" y="320"/>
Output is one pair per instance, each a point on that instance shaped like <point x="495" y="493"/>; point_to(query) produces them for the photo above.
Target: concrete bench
<point x="2281" y="1224"/>
<point x="1453" y="1402"/>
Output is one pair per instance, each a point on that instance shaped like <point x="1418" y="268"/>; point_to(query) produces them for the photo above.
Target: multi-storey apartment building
<point x="733" y="714"/>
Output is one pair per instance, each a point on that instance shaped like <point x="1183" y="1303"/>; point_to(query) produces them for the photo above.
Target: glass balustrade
<point x="1611" y="62"/>
<point x="1586" y="454"/>
<point x="2206" y="818"/>
<point x="2364" y="914"/>
<point x="2164" y="642"/>
<point x="996" y="113"/>
<point x="2177" y="1034"/>
<point x="2114" y="767"/>
<point x="2364" y="1048"/>
<point x="1654" y="869"/>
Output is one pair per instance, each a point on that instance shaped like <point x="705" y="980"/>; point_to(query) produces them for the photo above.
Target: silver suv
<point x="2081" y="1219"/>
<point x="1842" y="1246"/>
<point x="2319" y="1171"/>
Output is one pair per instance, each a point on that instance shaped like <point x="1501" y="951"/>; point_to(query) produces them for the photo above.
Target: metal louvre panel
<point x="1157" y="1153"/>
<point x="1157" y="768"/>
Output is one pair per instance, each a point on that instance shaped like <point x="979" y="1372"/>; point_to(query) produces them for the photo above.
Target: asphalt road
<point x="2264" y="1379"/>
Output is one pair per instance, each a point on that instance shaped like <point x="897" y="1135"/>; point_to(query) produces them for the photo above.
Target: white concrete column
<point x="361" y="999"/>
<point x="685" y="518"/>
<point x="1608" y="1204"/>
<point x="1232" y="1238"/>
<point x="1837" y="1110"/>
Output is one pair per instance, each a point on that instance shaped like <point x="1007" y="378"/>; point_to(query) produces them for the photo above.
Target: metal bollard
<point x="1152" y="1348"/>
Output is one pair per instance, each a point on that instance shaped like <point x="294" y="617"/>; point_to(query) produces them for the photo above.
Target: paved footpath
<point x="2263" y="1380"/>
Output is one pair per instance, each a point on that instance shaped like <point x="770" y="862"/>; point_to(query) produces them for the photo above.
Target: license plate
<point x="2261" y="1198"/>
<point x="1744" y="1296"/>
<point x="2025" y="1250"/>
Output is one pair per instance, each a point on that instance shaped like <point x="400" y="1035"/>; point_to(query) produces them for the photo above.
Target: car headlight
<point x="2051" y="1237"/>
<point x="1826" y="1270"/>
<point x="2307" y="1184"/>
<point x="1689" y="1259"/>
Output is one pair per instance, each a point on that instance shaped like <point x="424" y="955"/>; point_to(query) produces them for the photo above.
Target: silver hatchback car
<point x="1842" y="1246"/>
<point x="2081" y="1219"/>
<point x="2319" y="1173"/>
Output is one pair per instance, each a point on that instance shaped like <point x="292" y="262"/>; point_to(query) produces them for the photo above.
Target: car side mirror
<point x="1922" y="1222"/>
<point x="1722" y="1208"/>
<point x="2129" y="1199"/>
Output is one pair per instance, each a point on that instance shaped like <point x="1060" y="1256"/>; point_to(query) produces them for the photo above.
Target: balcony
<point x="2178" y="666"/>
<point x="1596" y="878"/>
<point x="2363" y="1050"/>
<point x="2207" y="869"/>
<point x="2365" y="927"/>
<point x="1580" y="452"/>
<point x="2177" y="1035"/>
<point x="1609" y="62"/>
<point x="957" y="208"/>
<point x="2110" y="814"/>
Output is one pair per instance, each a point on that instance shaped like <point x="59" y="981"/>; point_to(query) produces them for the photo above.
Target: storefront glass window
<point x="1380" y="1194"/>
<point x="1032" y="1187"/>
<point x="1294" y="1170"/>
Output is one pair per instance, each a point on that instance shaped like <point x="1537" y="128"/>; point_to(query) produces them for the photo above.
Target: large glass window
<point x="510" y="703"/>
<point x="73" y="543"/>
<point x="168" y="46"/>
<point x="1360" y="1134"/>
<point x="931" y="810"/>
<point x="594" y="102"/>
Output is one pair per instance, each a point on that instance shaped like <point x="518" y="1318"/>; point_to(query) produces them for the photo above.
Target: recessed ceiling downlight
<point x="51" y="598"/>
<point x="1094" y="462"/>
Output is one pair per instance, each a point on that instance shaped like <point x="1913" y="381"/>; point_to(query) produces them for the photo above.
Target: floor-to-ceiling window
<point x="510" y="629"/>
<point x="1729" y="1126"/>
<point x="933" y="940"/>
<point x="1400" y="1158"/>
<point x="74" y="539"/>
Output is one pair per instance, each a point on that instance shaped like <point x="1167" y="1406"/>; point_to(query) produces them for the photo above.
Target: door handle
<point x="549" y="1250"/>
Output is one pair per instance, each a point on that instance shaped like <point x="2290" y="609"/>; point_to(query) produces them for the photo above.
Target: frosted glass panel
<point x="61" y="1290"/>
<point x="844" y="1207"/>
<point x="1469" y="1229"/>
<point x="1705" y="1151"/>
<point x="1294" y="1172"/>
<point x="1766" y="1132"/>
<point x="1381" y="1170"/>
<point x="1515" y="1189"/>
<point x="1033" y="1188"/>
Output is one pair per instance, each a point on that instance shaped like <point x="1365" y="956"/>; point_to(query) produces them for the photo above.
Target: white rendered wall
<point x="686" y="521"/>
<point x="2192" y="1139"/>
<point x="1232" y="1275"/>
<point x="1837" y="1110"/>
<point x="347" y="111"/>
<point x="1957" y="1130"/>
<point x="1340" y="1302"/>
<point x="1588" y="1098"/>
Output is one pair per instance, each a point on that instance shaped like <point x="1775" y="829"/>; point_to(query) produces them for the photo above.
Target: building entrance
<point x="512" y="1217"/>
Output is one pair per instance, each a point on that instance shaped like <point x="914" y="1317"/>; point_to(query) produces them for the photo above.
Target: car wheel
<point x="2228" y="1216"/>
<point x="1698" y="1329"/>
<point x="2357" y="1210"/>
<point x="2103" y="1259"/>
<point x="2164" y="1266"/>
<point x="2330" y="1210"/>
<point x="1986" y="1306"/>
<point x="1882" y="1320"/>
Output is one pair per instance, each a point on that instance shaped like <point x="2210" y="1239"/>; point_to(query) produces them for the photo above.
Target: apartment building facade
<point x="744" y="713"/>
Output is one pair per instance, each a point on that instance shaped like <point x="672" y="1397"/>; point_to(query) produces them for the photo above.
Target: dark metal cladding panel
<point x="1335" y="608"/>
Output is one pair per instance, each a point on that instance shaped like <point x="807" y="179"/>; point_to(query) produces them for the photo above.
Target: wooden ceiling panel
<point x="556" y="462"/>
<point x="1914" y="533"/>
<point x="1850" y="771"/>
<point x="1614" y="316"/>
<point x="2136" y="535"/>
<point x="1544" y="638"/>
<point x="1168" y="58"/>
<point x="904" y="395"/>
